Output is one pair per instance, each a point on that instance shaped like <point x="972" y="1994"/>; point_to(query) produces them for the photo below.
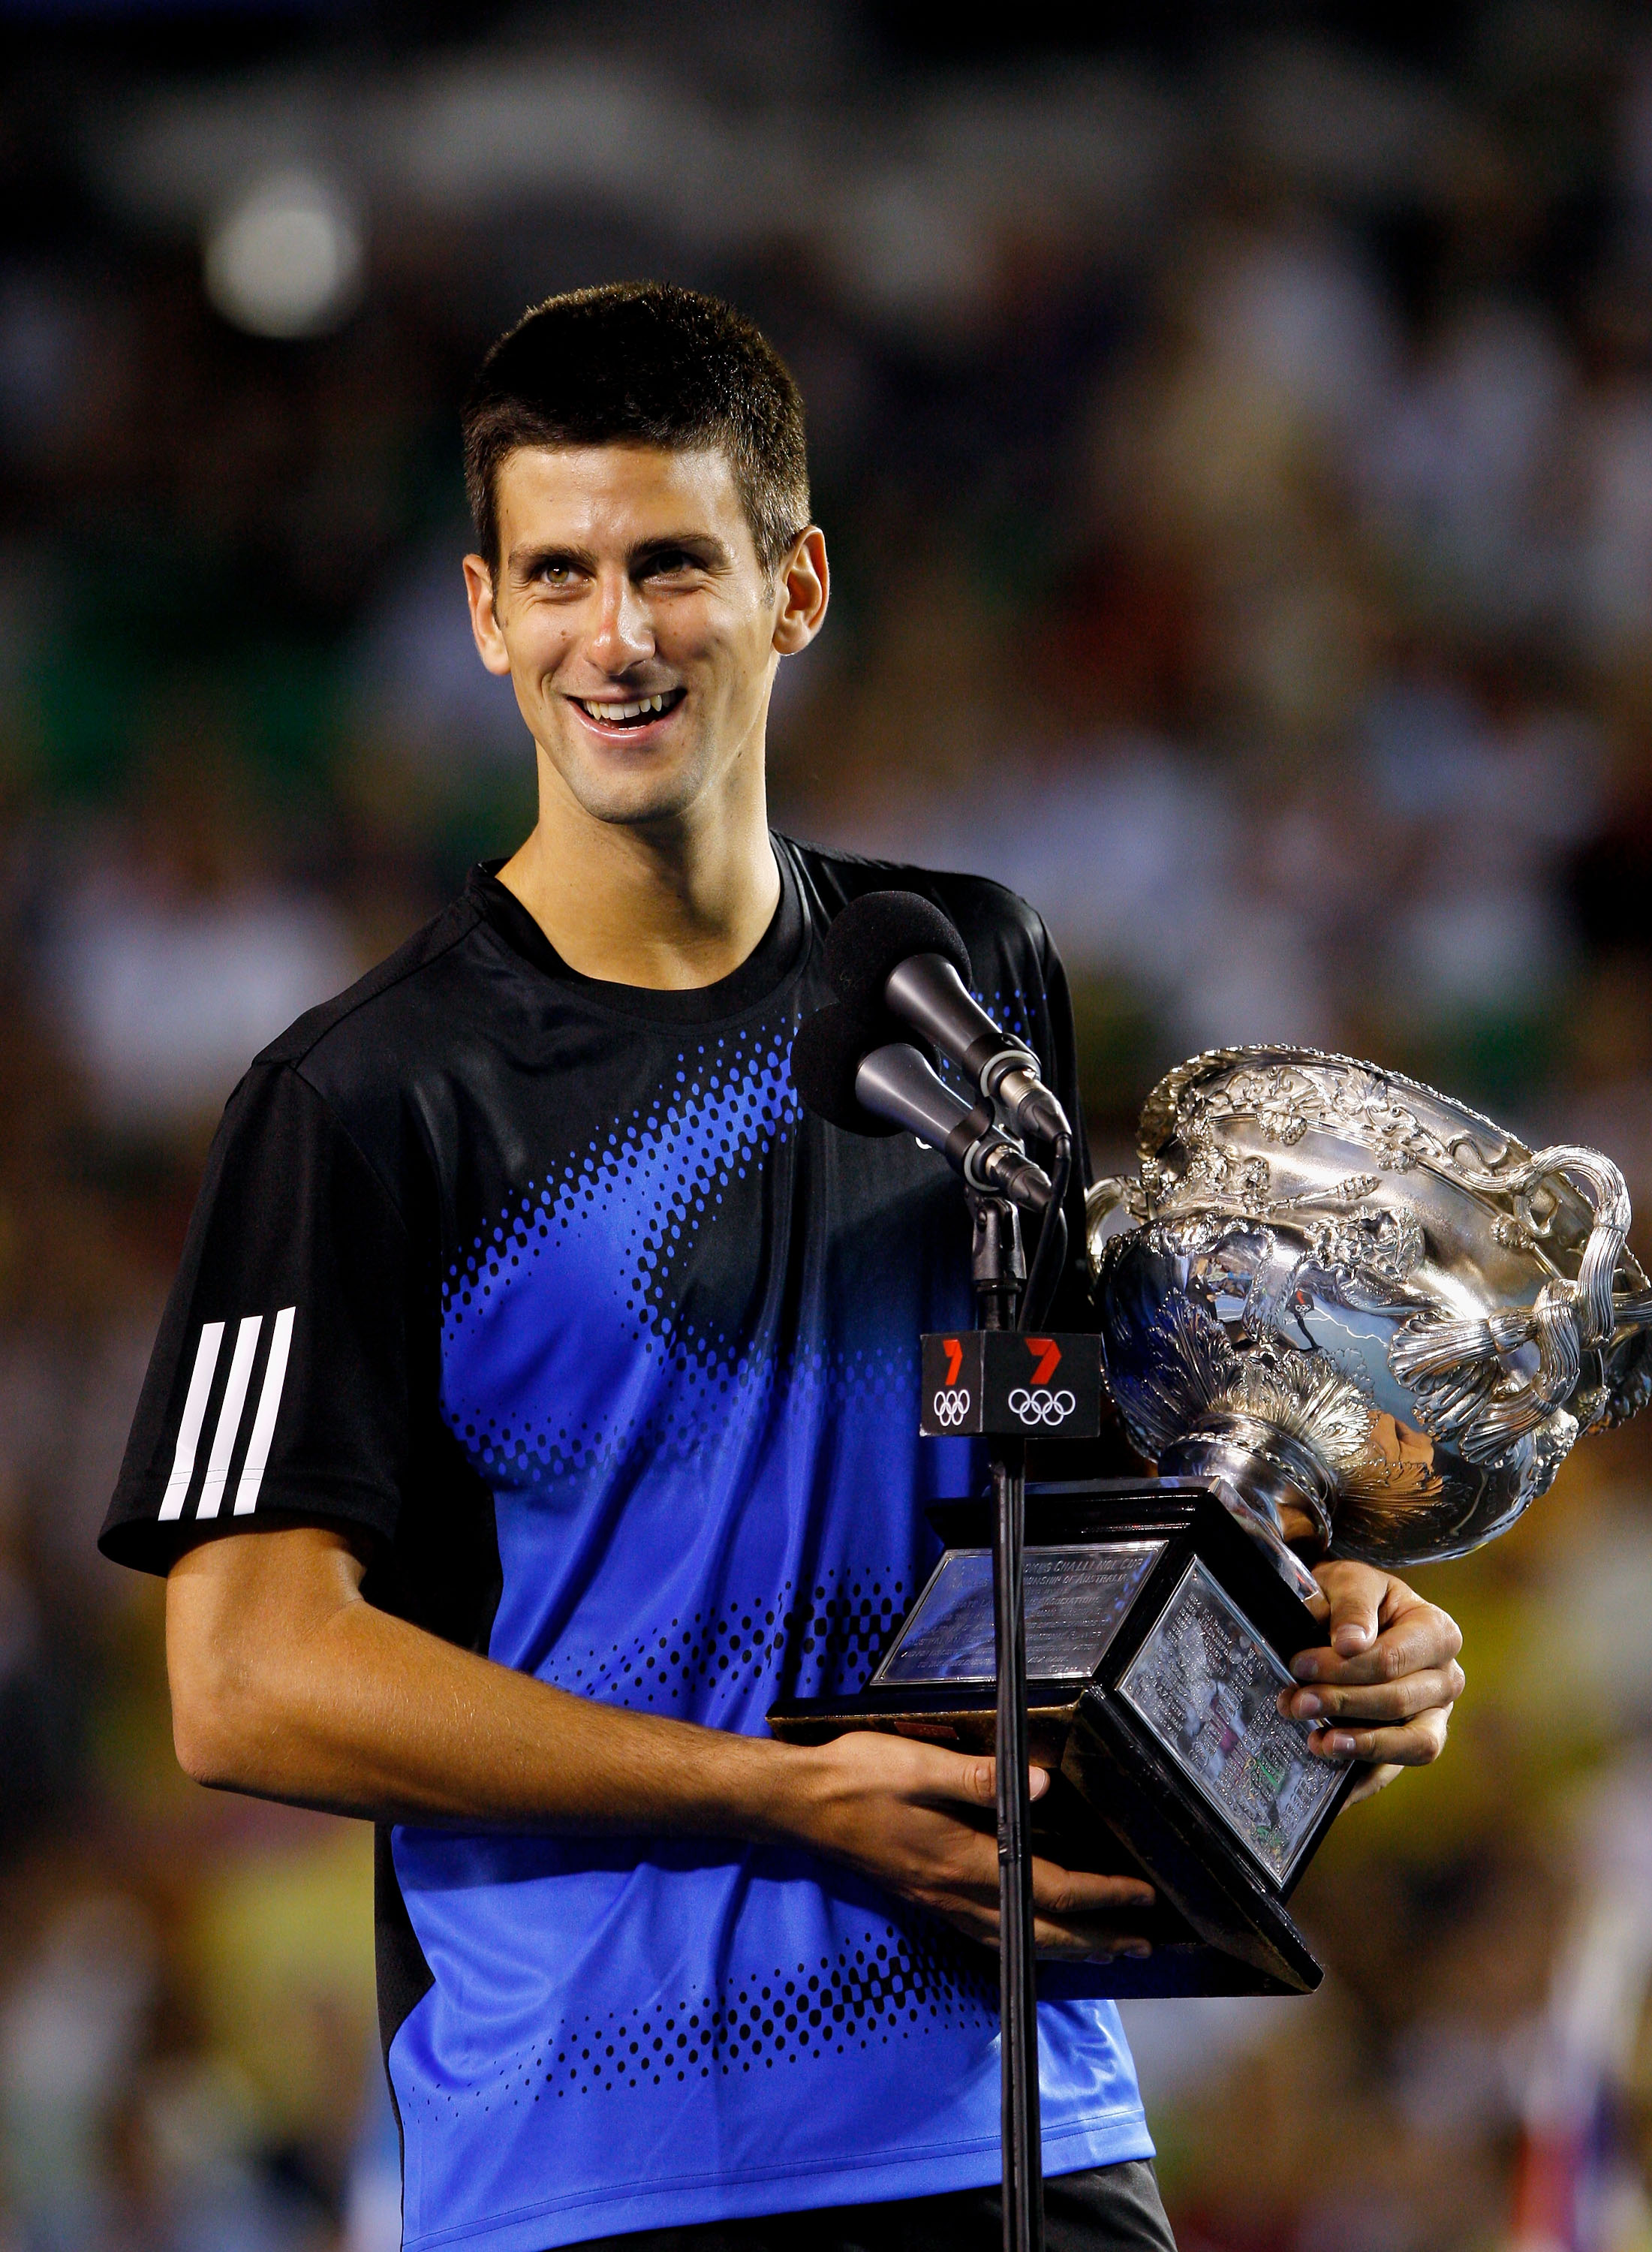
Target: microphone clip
<point x="1011" y="1079"/>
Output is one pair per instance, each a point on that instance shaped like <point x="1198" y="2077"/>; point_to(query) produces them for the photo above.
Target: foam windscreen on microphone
<point x="875" y="934"/>
<point x="826" y="1055"/>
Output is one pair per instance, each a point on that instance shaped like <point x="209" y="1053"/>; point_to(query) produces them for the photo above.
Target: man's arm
<point x="287" y="1684"/>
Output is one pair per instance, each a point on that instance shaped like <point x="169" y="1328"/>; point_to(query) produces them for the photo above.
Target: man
<point x="536" y="1403"/>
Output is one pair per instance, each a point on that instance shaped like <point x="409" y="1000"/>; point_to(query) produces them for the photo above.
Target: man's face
<point x="639" y="631"/>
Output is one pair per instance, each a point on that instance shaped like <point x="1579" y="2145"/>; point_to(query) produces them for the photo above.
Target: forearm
<point x="346" y="1709"/>
<point x="287" y="1685"/>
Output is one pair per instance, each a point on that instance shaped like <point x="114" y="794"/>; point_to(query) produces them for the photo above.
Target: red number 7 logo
<point x="1047" y="1353"/>
<point x="954" y="1352"/>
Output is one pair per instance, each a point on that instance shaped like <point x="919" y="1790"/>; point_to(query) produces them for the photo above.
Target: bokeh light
<point x="286" y="260"/>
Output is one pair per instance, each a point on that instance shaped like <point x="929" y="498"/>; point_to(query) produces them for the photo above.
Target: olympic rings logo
<point x="951" y="1407"/>
<point x="1042" y="1407"/>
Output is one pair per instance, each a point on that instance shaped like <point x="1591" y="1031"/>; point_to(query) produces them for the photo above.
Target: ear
<point x="484" y="624"/>
<point x="805" y="591"/>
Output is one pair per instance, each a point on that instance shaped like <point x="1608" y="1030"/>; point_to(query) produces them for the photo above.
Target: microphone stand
<point x="998" y="1270"/>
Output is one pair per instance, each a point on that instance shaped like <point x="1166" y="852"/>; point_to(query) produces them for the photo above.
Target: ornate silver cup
<point x="1375" y="1320"/>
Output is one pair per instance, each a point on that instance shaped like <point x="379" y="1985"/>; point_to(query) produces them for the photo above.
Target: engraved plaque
<point x="1075" y="1598"/>
<point x="1204" y="1682"/>
<point x="1158" y="1635"/>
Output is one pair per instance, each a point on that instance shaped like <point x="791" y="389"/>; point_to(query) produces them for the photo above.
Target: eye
<point x="670" y="562"/>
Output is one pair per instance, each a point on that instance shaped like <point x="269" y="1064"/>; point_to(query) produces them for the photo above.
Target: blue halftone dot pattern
<point x="670" y="1165"/>
<point x="1012" y="1014"/>
<point x="881" y="1985"/>
<point x="791" y="1642"/>
<point x="619" y="1221"/>
<point x="606" y="1361"/>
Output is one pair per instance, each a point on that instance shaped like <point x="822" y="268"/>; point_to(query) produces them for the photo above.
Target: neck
<point x="673" y="906"/>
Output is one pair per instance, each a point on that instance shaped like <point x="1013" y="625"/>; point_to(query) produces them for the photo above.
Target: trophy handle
<point x="1113" y="1206"/>
<point x="1466" y="1393"/>
<point x="1608" y="1197"/>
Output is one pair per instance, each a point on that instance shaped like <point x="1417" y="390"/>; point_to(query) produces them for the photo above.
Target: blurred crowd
<point x="1234" y="444"/>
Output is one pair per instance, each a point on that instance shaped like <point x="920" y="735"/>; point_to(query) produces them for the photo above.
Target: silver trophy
<point x="1374" y="1322"/>
<point x="1342" y="1313"/>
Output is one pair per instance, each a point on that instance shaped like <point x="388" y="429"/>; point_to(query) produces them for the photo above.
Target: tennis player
<point x="535" y="1404"/>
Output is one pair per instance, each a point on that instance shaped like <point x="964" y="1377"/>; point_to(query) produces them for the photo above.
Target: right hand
<point x="921" y="1823"/>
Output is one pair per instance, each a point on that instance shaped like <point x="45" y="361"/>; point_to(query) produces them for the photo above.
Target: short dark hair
<point x="643" y="363"/>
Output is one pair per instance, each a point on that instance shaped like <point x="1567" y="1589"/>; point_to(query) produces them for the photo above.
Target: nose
<point x="622" y="634"/>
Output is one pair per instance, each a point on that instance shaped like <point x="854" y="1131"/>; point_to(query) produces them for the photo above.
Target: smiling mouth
<point x="632" y="711"/>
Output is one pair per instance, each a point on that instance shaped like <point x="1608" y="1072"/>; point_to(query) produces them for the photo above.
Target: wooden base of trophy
<point x="1158" y="1637"/>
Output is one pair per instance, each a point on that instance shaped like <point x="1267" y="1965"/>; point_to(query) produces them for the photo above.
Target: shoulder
<point x="404" y="1002"/>
<point x="996" y="924"/>
<point x="368" y="1050"/>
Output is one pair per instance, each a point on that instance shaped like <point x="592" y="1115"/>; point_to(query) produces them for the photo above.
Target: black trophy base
<point x="1158" y="1637"/>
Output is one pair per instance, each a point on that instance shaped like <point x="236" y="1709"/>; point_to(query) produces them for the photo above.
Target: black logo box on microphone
<point x="1006" y="1385"/>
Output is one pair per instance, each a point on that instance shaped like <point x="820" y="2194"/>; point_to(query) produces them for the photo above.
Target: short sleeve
<point x="278" y="1389"/>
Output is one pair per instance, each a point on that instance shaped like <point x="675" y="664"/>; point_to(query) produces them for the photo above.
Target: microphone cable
<point x="1051" y="1254"/>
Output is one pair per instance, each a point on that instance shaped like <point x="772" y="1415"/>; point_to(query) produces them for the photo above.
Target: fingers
<point x="1414" y="1637"/>
<point x="1081" y="1917"/>
<point x="1399" y="1700"/>
<point x="1353" y="1595"/>
<point x="1069" y="1895"/>
<point x="1077" y="1914"/>
<point x="1382" y="1691"/>
<point x="1418" y="1744"/>
<point x="976" y="1781"/>
<point x="1423" y="1639"/>
<point x="1088" y="1941"/>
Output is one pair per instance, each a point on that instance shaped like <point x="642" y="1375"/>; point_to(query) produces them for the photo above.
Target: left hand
<point x="1383" y="1690"/>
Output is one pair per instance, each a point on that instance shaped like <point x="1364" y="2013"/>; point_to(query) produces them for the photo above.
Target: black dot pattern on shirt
<point x="726" y="1104"/>
<point x="887" y="1987"/>
<point x="653" y="1183"/>
<point x="828" y="1639"/>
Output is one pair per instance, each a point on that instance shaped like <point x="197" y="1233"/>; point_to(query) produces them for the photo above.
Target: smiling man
<point x="535" y="1405"/>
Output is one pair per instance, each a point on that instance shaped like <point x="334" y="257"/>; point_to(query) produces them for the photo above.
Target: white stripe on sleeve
<point x="189" y="1431"/>
<point x="229" y="1416"/>
<point x="269" y="1401"/>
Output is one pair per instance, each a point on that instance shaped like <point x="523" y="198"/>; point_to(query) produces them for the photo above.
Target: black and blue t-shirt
<point x="548" y="1289"/>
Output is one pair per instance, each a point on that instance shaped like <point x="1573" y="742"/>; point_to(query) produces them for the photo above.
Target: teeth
<point x="611" y="712"/>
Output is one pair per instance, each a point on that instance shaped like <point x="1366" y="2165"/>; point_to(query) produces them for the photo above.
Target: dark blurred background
<point x="1233" y="427"/>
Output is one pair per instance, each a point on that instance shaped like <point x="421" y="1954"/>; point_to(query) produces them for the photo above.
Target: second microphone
<point x="847" y="1070"/>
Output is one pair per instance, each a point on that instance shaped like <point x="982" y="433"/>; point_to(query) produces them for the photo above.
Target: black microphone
<point x="847" y="1073"/>
<point x="897" y="952"/>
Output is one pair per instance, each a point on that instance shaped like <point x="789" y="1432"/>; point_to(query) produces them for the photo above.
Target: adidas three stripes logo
<point x="232" y="1410"/>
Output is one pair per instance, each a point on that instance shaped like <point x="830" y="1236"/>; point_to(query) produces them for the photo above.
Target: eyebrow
<point x="704" y="547"/>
